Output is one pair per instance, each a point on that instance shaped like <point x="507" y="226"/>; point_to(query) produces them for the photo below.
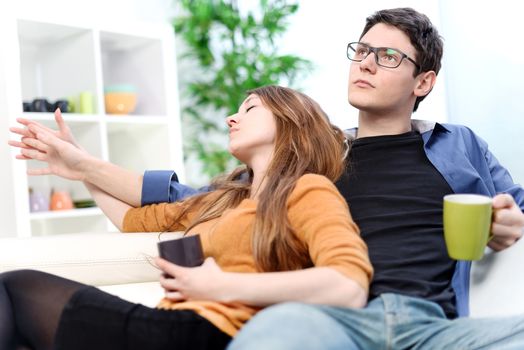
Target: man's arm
<point x="161" y="186"/>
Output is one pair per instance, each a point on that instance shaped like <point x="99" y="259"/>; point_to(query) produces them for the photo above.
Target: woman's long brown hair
<point x="306" y="142"/>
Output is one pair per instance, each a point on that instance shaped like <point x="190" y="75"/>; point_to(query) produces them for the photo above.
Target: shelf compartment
<point x="128" y="60"/>
<point x="56" y="61"/>
<point x="141" y="152"/>
<point x="59" y="60"/>
<point x="137" y="119"/>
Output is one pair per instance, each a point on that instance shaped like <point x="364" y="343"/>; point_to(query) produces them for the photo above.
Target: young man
<point x="398" y="173"/>
<point x="399" y="170"/>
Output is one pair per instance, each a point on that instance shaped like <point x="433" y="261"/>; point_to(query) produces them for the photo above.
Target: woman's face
<point x="252" y="132"/>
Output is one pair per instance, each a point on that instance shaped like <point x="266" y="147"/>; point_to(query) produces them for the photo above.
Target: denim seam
<point x="389" y="318"/>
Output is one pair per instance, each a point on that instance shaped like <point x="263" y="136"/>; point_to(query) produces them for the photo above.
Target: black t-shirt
<point x="395" y="196"/>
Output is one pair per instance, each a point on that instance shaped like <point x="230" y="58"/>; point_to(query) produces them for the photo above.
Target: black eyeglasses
<point x="384" y="56"/>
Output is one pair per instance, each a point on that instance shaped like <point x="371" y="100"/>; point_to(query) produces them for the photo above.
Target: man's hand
<point x="508" y="222"/>
<point x="204" y="282"/>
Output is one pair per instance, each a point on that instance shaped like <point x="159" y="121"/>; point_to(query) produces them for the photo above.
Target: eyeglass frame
<point x="375" y="50"/>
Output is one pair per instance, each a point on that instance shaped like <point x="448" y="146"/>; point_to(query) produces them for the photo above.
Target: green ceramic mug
<point x="467" y="225"/>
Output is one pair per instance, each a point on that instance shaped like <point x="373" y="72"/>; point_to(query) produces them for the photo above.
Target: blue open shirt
<point x="457" y="153"/>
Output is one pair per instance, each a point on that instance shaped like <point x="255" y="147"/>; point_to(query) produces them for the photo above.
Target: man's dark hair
<point x="423" y="36"/>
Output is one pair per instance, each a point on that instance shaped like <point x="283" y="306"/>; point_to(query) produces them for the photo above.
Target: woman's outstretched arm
<point x="110" y="178"/>
<point x="69" y="161"/>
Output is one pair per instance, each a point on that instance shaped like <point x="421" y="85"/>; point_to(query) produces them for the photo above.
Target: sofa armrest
<point x="92" y="258"/>
<point x="497" y="286"/>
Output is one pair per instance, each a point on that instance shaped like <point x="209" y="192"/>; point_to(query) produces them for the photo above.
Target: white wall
<point x="485" y="69"/>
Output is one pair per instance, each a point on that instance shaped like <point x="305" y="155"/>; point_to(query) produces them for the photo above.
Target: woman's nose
<point x="231" y="120"/>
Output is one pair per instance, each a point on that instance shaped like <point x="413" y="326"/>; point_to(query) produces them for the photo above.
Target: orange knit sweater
<point x="318" y="214"/>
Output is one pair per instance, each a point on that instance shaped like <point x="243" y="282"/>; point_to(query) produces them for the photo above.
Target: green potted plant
<point x="233" y="51"/>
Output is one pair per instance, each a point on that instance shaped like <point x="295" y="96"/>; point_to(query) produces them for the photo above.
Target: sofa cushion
<point x="91" y="258"/>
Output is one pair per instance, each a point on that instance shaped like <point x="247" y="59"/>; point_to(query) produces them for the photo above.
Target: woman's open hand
<point x="58" y="148"/>
<point x="64" y="132"/>
<point x="62" y="158"/>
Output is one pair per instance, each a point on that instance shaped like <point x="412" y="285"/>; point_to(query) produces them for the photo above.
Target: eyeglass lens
<point x="385" y="56"/>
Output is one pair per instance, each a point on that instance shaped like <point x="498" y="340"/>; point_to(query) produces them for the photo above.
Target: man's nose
<point x="370" y="62"/>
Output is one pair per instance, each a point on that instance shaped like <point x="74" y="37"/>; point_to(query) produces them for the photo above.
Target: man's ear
<point x="424" y="83"/>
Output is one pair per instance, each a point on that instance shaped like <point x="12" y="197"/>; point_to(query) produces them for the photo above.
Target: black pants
<point x="44" y="311"/>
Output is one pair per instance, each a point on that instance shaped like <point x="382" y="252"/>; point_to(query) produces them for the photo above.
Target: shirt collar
<point x="421" y="126"/>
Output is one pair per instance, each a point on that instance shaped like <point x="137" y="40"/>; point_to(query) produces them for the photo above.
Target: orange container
<point x="120" y="99"/>
<point x="61" y="200"/>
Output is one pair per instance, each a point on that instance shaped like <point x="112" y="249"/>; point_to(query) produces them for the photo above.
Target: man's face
<point x="381" y="90"/>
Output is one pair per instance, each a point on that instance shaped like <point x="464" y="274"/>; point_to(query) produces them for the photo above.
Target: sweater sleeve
<point x="158" y="218"/>
<point x="161" y="217"/>
<point x="320" y="217"/>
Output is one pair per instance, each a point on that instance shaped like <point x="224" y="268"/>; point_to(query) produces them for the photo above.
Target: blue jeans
<point x="390" y="321"/>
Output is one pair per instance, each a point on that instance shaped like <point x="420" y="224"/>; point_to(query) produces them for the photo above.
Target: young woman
<point x="281" y="234"/>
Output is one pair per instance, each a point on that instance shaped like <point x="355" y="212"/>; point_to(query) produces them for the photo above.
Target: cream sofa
<point x="119" y="263"/>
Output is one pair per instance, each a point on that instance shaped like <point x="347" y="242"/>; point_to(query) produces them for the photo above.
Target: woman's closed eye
<point x="249" y="108"/>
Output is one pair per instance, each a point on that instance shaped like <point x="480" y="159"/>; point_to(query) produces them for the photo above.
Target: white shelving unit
<point x="57" y="60"/>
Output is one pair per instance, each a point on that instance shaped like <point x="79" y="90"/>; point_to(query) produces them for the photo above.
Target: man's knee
<point x="292" y="326"/>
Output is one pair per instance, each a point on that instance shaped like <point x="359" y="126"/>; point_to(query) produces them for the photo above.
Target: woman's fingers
<point x="39" y="129"/>
<point x="22" y="157"/>
<point x="39" y="171"/>
<point x="46" y="137"/>
<point x="36" y="144"/>
<point x="17" y="144"/>
<point x="62" y="126"/>
<point x="171" y="288"/>
<point x="24" y="121"/>
<point x="27" y="122"/>
<point x="33" y="154"/>
<point x="168" y="283"/>
<point x="21" y="131"/>
<point x="174" y="296"/>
